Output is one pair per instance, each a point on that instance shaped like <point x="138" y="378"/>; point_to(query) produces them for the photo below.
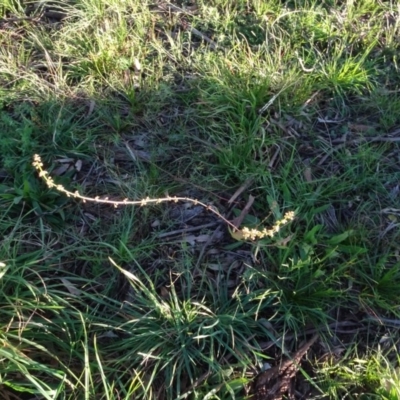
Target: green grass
<point x="132" y="99"/>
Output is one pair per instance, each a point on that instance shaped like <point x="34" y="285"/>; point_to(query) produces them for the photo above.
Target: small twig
<point x="389" y="210"/>
<point x="238" y="220"/>
<point x="16" y="19"/>
<point x="274" y="157"/>
<point x="194" y="31"/>
<point x="394" y="323"/>
<point x="310" y="99"/>
<point x="302" y="64"/>
<point x="273" y="98"/>
<point x="390" y="227"/>
<point x="370" y="140"/>
<point x="240" y="190"/>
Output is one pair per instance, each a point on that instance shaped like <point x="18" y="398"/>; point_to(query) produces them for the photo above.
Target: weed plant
<point x="294" y="103"/>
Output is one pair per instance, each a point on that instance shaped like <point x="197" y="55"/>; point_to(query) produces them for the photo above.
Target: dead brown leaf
<point x="275" y="382"/>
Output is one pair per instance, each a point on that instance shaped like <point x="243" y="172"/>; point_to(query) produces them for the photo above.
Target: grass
<point x="295" y="102"/>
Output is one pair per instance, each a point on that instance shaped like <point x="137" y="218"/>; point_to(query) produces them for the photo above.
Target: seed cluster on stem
<point x="246" y="233"/>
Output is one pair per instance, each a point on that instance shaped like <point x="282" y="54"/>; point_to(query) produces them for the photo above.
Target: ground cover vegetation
<point x="255" y="108"/>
